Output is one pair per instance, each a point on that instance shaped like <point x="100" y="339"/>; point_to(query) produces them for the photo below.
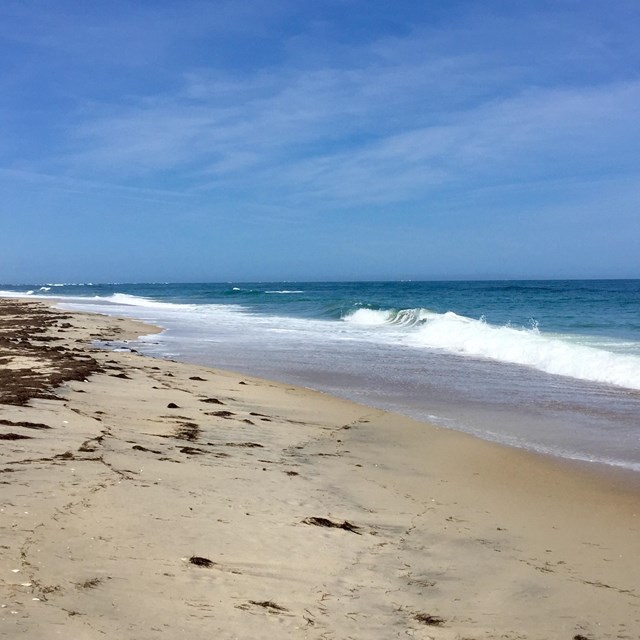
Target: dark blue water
<point x="548" y="365"/>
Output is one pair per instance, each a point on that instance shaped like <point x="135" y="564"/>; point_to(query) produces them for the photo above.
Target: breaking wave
<point x="554" y="354"/>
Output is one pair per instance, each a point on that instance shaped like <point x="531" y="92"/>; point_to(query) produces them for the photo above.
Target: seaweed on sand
<point x="331" y="524"/>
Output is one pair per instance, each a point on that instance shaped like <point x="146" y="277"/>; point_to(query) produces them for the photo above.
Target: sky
<point x="329" y="140"/>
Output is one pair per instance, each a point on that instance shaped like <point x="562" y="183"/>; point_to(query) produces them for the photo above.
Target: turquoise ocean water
<point x="552" y="366"/>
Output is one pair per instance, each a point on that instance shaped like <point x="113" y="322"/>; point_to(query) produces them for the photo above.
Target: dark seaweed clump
<point x="26" y="330"/>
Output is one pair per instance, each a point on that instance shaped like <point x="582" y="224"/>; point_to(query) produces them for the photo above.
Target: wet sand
<point x="145" y="498"/>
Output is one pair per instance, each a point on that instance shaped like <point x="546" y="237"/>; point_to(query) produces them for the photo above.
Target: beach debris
<point x="431" y="620"/>
<point x="292" y="473"/>
<point x="211" y="400"/>
<point x="331" y="524"/>
<point x="198" y="378"/>
<point x="13" y="436"/>
<point x="89" y="584"/>
<point x="200" y="561"/>
<point x="26" y="425"/>
<point x="91" y="445"/>
<point x="220" y="414"/>
<point x="579" y="636"/>
<point x="192" y="451"/>
<point x="242" y="382"/>
<point x="187" y="431"/>
<point x="422" y="582"/>
<point x="137" y="447"/>
<point x="269" y="605"/>
<point x="249" y="445"/>
<point x="172" y="405"/>
<point x="36" y="366"/>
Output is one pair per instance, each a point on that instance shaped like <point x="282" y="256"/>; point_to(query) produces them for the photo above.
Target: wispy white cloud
<point x="78" y="185"/>
<point x="391" y="120"/>
<point x="318" y="135"/>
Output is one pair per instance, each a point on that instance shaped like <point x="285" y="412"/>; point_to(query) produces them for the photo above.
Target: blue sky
<point x="341" y="139"/>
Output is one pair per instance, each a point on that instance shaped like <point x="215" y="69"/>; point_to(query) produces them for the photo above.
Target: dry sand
<point x="124" y="516"/>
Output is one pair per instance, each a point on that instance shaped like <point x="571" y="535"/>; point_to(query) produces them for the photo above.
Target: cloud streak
<point x="321" y="135"/>
<point x="381" y="121"/>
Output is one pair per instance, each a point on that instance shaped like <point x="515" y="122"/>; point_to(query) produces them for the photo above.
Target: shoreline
<point x="547" y="423"/>
<point x="451" y="536"/>
<point x="622" y="477"/>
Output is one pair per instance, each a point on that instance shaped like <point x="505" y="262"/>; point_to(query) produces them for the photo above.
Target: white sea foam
<point x="72" y="284"/>
<point x="378" y="317"/>
<point x="201" y="313"/>
<point x="128" y="300"/>
<point x="556" y="355"/>
<point x="285" y="291"/>
<point x="369" y="317"/>
<point x="136" y="301"/>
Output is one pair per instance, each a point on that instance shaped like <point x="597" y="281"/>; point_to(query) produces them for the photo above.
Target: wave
<point x="131" y="300"/>
<point x="239" y="291"/>
<point x="464" y="336"/>
<point x="71" y="284"/>
<point x="286" y="291"/>
<point x="16" y="294"/>
<point x="379" y="317"/>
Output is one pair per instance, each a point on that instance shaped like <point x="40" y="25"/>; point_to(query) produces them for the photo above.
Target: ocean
<point x="552" y="366"/>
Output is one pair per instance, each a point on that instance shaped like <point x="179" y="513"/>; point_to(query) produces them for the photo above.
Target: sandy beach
<point x="146" y="498"/>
